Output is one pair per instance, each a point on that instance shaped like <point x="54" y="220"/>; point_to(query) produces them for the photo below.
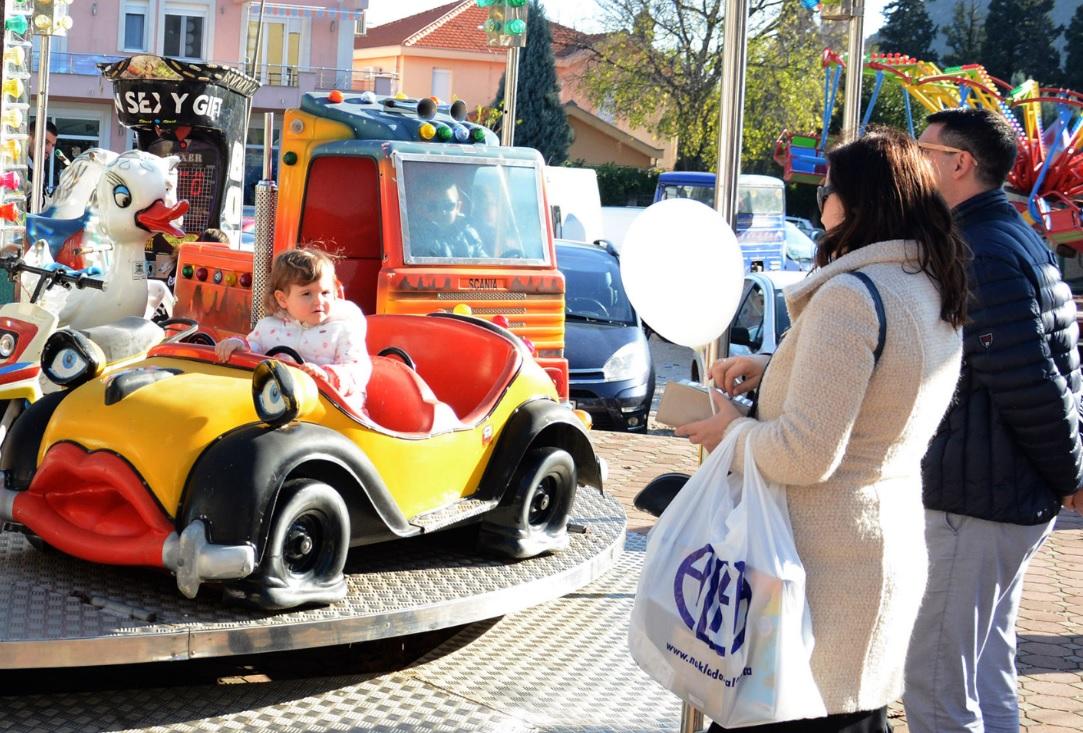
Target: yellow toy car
<point x="253" y="474"/>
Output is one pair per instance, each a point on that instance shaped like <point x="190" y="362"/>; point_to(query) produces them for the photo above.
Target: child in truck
<point x="328" y="332"/>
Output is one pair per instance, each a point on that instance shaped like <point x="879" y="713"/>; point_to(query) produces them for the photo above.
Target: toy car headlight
<point x="70" y="359"/>
<point x="8" y="341"/>
<point x="279" y="395"/>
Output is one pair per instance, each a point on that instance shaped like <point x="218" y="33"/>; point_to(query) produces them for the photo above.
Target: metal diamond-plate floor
<point x="560" y="667"/>
<point x="56" y="611"/>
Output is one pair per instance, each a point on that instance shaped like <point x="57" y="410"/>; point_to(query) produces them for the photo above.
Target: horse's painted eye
<point x="122" y="197"/>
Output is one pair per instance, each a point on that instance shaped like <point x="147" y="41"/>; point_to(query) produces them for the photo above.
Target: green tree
<point x="1019" y="37"/>
<point x="784" y="89"/>
<point x="659" y="66"/>
<point x="541" y="122"/>
<point x="908" y="29"/>
<point x="1073" y="64"/>
<point x="965" y="35"/>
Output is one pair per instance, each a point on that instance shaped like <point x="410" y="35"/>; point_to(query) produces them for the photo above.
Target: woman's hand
<point x="736" y="375"/>
<point x="225" y="348"/>
<point x="709" y="432"/>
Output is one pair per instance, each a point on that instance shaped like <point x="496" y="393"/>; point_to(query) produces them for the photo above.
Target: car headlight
<point x="69" y="359"/>
<point x="278" y="396"/>
<point x="629" y="362"/>
<point x="8" y="342"/>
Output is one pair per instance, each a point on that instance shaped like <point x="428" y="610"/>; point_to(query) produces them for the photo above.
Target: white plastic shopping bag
<point x="720" y="616"/>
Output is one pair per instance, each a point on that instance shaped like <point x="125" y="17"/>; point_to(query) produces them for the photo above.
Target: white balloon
<point x="683" y="270"/>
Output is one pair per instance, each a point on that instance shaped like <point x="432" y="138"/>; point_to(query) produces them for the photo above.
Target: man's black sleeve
<point x="1007" y="343"/>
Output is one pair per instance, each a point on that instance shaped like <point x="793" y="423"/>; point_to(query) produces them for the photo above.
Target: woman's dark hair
<point x="888" y="191"/>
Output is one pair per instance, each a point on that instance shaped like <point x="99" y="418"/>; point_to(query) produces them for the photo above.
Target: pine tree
<point x="908" y="29"/>
<point x="541" y="122"/>
<point x="965" y="35"/>
<point x="1073" y="64"/>
<point x="1019" y="37"/>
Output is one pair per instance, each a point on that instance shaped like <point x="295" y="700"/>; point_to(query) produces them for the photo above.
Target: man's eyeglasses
<point x="822" y="194"/>
<point x="941" y="148"/>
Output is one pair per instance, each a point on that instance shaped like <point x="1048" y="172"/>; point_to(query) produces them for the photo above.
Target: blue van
<point x="761" y="212"/>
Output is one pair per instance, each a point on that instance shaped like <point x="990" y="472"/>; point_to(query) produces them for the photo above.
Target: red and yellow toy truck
<point x="425" y="209"/>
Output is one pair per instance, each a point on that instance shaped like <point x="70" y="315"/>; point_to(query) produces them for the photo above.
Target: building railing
<point x="279" y="75"/>
<point x="85" y="64"/>
<point x="380" y="82"/>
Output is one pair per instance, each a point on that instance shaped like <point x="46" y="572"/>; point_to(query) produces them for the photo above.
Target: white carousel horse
<point x="134" y="198"/>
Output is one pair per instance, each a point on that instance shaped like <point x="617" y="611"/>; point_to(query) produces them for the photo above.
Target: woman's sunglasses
<point x="822" y="194"/>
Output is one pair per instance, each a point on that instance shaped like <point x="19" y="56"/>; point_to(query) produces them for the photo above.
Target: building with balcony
<point x="443" y="52"/>
<point x="307" y="45"/>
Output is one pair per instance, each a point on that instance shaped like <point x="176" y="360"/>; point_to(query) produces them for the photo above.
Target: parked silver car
<point x="761" y="318"/>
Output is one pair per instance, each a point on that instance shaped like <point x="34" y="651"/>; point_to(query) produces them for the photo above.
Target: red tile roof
<point x="397" y="31"/>
<point x="457" y="26"/>
<point x="459" y="30"/>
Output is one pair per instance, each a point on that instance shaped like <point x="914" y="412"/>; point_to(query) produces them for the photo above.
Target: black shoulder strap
<point x="878" y="303"/>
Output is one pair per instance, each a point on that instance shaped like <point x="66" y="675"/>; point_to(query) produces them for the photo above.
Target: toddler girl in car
<point x="326" y="331"/>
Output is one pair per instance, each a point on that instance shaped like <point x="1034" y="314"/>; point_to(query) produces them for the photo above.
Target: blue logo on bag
<point x="712" y="596"/>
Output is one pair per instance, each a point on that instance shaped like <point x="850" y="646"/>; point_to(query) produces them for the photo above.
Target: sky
<point x="574" y="13"/>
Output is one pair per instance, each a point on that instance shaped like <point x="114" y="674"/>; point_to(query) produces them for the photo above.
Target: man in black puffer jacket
<point x="1008" y="453"/>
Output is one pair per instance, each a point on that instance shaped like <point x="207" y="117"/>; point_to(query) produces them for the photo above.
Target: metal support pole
<point x="266" y="208"/>
<point x="730" y="131"/>
<point x="257" y="53"/>
<point x="268" y="145"/>
<point x="37" y="190"/>
<point x="511" y="85"/>
<point x="855" y="62"/>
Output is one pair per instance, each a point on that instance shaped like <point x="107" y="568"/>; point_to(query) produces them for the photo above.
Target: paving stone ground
<point x="1050" y="625"/>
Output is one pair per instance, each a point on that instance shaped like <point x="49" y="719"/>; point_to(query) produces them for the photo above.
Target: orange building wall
<point x="596" y="148"/>
<point x="569" y="71"/>
<point x="474" y="81"/>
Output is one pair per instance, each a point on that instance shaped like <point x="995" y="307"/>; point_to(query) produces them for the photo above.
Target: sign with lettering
<point x="163" y="103"/>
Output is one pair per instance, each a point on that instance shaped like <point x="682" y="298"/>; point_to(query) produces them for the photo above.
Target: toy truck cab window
<point x="484" y="211"/>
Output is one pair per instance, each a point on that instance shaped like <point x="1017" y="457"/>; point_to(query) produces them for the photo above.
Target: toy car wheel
<point x="305" y="552"/>
<point x="533" y="516"/>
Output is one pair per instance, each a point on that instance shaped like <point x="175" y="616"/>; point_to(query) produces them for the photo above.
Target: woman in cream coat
<point x="843" y="431"/>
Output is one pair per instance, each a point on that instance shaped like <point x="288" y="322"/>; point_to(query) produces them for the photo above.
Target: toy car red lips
<point x="254" y="474"/>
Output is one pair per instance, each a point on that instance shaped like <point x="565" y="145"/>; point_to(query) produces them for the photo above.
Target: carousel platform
<point x="57" y="611"/>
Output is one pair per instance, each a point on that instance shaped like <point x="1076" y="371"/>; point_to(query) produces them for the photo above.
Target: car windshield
<point x="593" y="290"/>
<point x="782" y="316"/>
<point x="764" y="200"/>
<point x="767" y="200"/>
<point x="798" y="245"/>
<point x="703" y="194"/>
<point x="471" y="212"/>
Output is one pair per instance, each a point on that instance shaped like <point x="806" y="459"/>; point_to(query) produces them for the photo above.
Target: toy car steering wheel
<point x="276" y="350"/>
<point x="201" y="338"/>
<point x="401" y="353"/>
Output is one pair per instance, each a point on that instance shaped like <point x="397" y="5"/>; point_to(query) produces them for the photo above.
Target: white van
<point x="575" y="203"/>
